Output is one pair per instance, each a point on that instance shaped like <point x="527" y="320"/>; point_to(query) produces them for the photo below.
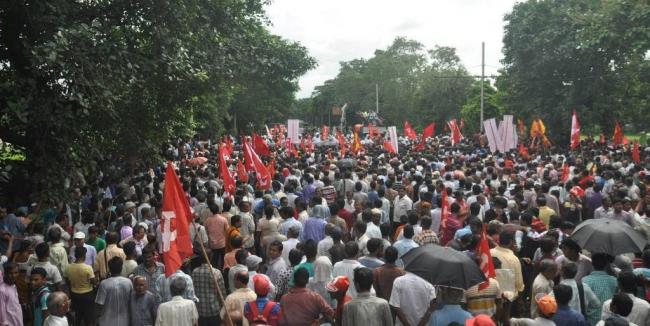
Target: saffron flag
<point x="487" y="266"/>
<point x="263" y="175"/>
<point x="174" y="224"/>
<point x="522" y="128"/>
<point x="427" y="132"/>
<point x="636" y="157"/>
<point x="409" y="132"/>
<point x="618" y="134"/>
<point x="228" y="181"/>
<point x="241" y="172"/>
<point x="575" y="131"/>
<point x="444" y="212"/>
<point x="259" y="145"/>
<point x="356" y="143"/>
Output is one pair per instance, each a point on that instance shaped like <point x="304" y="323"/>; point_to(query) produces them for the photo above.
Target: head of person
<point x="241" y="279"/>
<point x="360" y="228"/>
<point x="293" y="232"/>
<point x="621" y="304"/>
<point x="450" y="295"/>
<point x="80" y="253"/>
<point x="390" y="255"/>
<point x="295" y="257"/>
<point x="548" y="268"/>
<point x="93" y="233"/>
<point x="375" y="247"/>
<point x="115" y="266"/>
<point x="351" y="250"/>
<point x="426" y="222"/>
<point x="571" y="249"/>
<point x="261" y="285"/>
<point x="78" y="239"/>
<point x="10" y="274"/>
<point x="600" y="261"/>
<point x="362" y="279"/>
<point x="236" y="242"/>
<point x="112" y="238"/>
<point x="338" y="287"/>
<point x="253" y="263"/>
<point x="58" y="304"/>
<point x="275" y="249"/>
<point x="506" y="240"/>
<point x="38" y="277"/>
<point x="336" y="235"/>
<point x="310" y="249"/>
<point x="129" y="249"/>
<point x="546" y="304"/>
<point x="627" y="282"/>
<point x="148" y="256"/>
<point x="54" y="234"/>
<point x="177" y="286"/>
<point x="408" y="232"/>
<point x="42" y="251"/>
<point x="240" y="256"/>
<point x="140" y="285"/>
<point x="286" y="212"/>
<point x="236" y="221"/>
<point x="301" y="277"/>
<point x="563" y="294"/>
<point x="138" y="232"/>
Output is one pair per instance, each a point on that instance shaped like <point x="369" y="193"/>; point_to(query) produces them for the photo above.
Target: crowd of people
<point x="325" y="244"/>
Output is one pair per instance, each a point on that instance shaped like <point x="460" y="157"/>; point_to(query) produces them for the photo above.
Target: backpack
<point x="261" y="319"/>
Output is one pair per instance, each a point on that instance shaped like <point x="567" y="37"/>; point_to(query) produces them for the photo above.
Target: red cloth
<point x="174" y="225"/>
<point x="487" y="266"/>
<point x="263" y="175"/>
<point x="228" y="181"/>
<point x="259" y="145"/>
<point x="575" y="131"/>
<point x="409" y="132"/>
<point x="305" y="307"/>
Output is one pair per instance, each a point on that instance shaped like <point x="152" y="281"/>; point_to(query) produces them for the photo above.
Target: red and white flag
<point x="487" y="266"/>
<point x="248" y="156"/>
<point x="263" y="175"/>
<point x="575" y="131"/>
<point x="174" y="224"/>
<point x="241" y="172"/>
<point x="389" y="147"/>
<point x="456" y="136"/>
<point x="228" y="181"/>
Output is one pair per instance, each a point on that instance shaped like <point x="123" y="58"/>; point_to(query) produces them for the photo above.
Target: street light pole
<point x="377" y="97"/>
<point x="482" y="79"/>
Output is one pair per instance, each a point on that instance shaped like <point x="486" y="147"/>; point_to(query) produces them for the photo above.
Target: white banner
<point x="293" y="130"/>
<point x="492" y="134"/>
<point x="502" y="138"/>
<point x="392" y="133"/>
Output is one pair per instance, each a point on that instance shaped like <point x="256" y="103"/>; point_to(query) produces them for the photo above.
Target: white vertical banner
<point x="492" y="134"/>
<point x="510" y="141"/>
<point x="392" y="133"/>
<point x="293" y="130"/>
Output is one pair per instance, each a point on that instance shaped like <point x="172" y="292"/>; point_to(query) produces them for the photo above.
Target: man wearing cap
<point x="547" y="307"/>
<point x="91" y="252"/>
<point x="337" y="289"/>
<point x="262" y="306"/>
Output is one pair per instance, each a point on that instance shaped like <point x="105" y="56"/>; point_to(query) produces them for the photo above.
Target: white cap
<point x="79" y="235"/>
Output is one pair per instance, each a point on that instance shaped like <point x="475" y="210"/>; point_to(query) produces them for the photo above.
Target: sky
<point x="342" y="30"/>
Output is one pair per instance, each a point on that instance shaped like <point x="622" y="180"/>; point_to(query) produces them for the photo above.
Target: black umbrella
<point x="608" y="236"/>
<point x="346" y="163"/>
<point x="443" y="266"/>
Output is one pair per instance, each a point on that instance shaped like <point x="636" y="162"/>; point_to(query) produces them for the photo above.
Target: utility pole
<point x="482" y="79"/>
<point x="377" y="98"/>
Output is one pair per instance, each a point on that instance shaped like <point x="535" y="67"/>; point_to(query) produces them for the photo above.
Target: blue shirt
<point x="403" y="246"/>
<point x="259" y="208"/>
<point x="289" y="223"/>
<point x="449" y="313"/>
<point x="314" y="229"/>
<point x="566" y="316"/>
<point x="261" y="303"/>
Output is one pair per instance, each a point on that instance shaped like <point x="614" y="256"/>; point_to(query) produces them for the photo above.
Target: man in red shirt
<point x="303" y="306"/>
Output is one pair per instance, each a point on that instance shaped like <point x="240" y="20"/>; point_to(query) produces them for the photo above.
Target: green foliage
<point x="587" y="55"/>
<point x="414" y="84"/>
<point x="471" y="111"/>
<point x="85" y="84"/>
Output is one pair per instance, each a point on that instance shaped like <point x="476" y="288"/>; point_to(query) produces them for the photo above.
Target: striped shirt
<point x="483" y="301"/>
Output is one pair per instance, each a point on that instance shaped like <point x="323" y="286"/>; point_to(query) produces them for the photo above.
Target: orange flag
<point x="618" y="134"/>
<point x="636" y="157"/>
<point x="409" y="132"/>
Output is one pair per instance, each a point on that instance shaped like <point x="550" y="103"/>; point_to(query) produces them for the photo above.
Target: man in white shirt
<point x="640" y="313"/>
<point x="58" y="305"/>
<point x="179" y="311"/>
<point x="410" y="298"/>
<point x="347" y="266"/>
<point x="402" y="205"/>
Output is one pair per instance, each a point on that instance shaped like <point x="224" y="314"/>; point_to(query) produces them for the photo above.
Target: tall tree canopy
<point x="589" y="55"/>
<point x="414" y="84"/>
<point x="88" y="82"/>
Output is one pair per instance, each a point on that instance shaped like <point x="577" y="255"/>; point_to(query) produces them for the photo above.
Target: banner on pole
<point x="293" y="130"/>
<point x="392" y="133"/>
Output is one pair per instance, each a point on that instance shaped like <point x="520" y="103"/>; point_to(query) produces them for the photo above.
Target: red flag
<point x="241" y="172"/>
<point x="575" y="131"/>
<point x="427" y="132"/>
<point x="271" y="168"/>
<point x="329" y="154"/>
<point x="409" y="132"/>
<point x="228" y="181"/>
<point x="356" y="143"/>
<point x="602" y="139"/>
<point x="302" y="144"/>
<point x="259" y="145"/>
<point x="248" y="152"/>
<point x="174" y="224"/>
<point x="626" y="141"/>
<point x="523" y="151"/>
<point x="565" y="172"/>
<point x="636" y="157"/>
<point x="487" y="266"/>
<point x="229" y="147"/>
<point x="263" y="175"/>
<point x="341" y="139"/>
<point x="521" y="128"/>
<point x="326" y="133"/>
<point x="389" y="147"/>
<point x="618" y="134"/>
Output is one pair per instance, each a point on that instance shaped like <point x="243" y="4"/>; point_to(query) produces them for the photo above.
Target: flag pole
<point x="214" y="278"/>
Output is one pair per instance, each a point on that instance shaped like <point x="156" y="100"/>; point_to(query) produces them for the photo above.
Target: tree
<point x="88" y="84"/>
<point x="471" y="110"/>
<point x="577" y="54"/>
